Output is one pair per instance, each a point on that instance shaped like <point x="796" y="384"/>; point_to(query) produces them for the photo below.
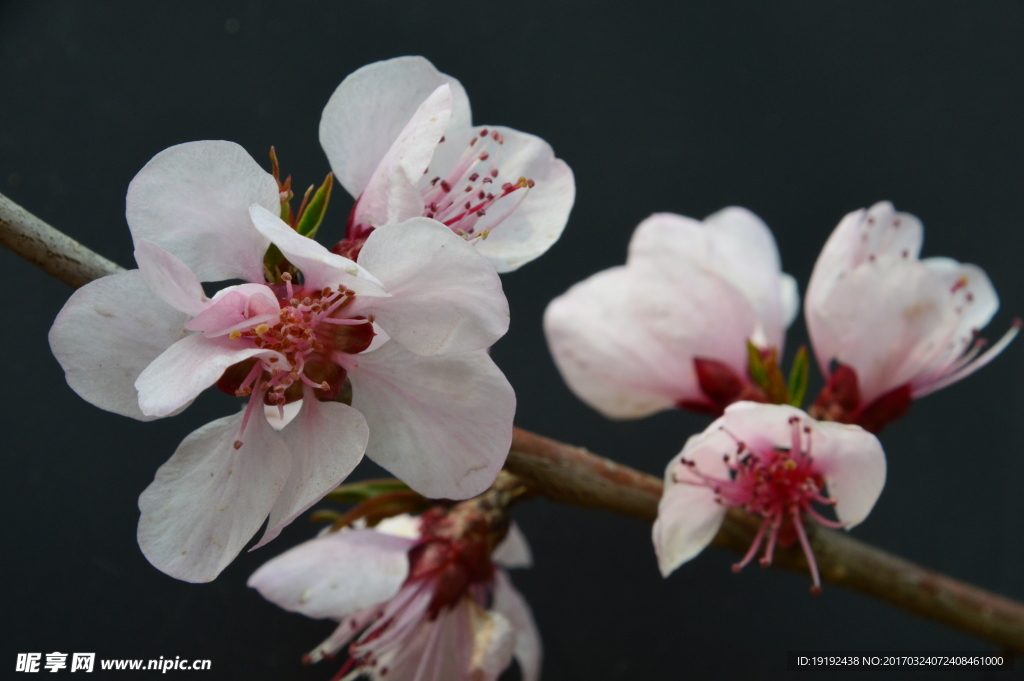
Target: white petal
<point x="169" y="278"/>
<point x="368" y="111"/>
<point x="688" y="515"/>
<point x="528" y="649"/>
<point x="535" y="224"/>
<point x="625" y="339"/>
<point x="401" y="525"/>
<point x="513" y="551"/>
<point x="186" y="369"/>
<point x="391" y="196"/>
<point x="107" y="333"/>
<point x="337" y="574"/>
<point x="327" y="440"/>
<point x="237" y="308"/>
<point x="320" y="267"/>
<point x="445" y="298"/>
<point x="209" y="499"/>
<point x="494" y="641"/>
<point x="441" y="424"/>
<point x="790" y="297"/>
<point x="853" y="463"/>
<point x="733" y="245"/>
<point x="193" y="201"/>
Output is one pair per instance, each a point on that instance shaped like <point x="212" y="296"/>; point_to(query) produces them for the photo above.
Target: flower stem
<point x="573" y="475"/>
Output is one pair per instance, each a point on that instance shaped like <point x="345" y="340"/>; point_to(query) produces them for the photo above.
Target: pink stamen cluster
<point x="778" y="484"/>
<point x="465" y="195"/>
<point x="305" y="335"/>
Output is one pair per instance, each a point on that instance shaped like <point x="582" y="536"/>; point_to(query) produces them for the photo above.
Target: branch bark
<point x="52" y="251"/>
<point x="574" y="476"/>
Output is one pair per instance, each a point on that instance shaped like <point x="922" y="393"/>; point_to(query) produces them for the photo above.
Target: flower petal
<point x="107" y="333"/>
<point x="369" y="110"/>
<point x="320" y="267"/>
<point x="444" y="297"/>
<point x="391" y="195"/>
<point x="625" y="339"/>
<point x="193" y="201"/>
<point x="169" y="278"/>
<point x="536" y="223"/>
<point x="528" y="649"/>
<point x="853" y="463"/>
<point x="442" y="424"/>
<point x="688" y="515"/>
<point x="337" y="574"/>
<point x="237" y="308"/>
<point x="186" y="369"/>
<point x="513" y="551"/>
<point x="494" y="641"/>
<point x="327" y="440"/>
<point x="209" y="499"/>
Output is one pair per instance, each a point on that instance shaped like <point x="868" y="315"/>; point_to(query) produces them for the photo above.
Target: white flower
<point x="887" y="327"/>
<point x="429" y="405"/>
<point x="410" y="608"/>
<point x="670" y="327"/>
<point x="776" y="462"/>
<point x="399" y="137"/>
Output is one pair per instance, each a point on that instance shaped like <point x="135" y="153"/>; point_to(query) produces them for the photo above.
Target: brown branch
<point x="54" y="252"/>
<point x="574" y="476"/>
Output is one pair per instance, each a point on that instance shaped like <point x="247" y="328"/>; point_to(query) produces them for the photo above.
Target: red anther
<point x="445" y="187"/>
<point x="494" y="172"/>
<point x="484" y="156"/>
<point x="483" y="133"/>
<point x="474" y="177"/>
<point x="237" y="444"/>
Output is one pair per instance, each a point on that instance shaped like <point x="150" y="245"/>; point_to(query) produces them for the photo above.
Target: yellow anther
<point x="790" y="464"/>
<point x="235" y="335"/>
<point x="262" y="329"/>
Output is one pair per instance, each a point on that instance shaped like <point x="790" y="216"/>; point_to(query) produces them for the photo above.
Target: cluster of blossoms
<point x="696" y="318"/>
<point x="378" y="346"/>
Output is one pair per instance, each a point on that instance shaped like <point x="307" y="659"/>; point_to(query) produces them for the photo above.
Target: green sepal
<point x="756" y="367"/>
<point x="313" y="215"/>
<point x="798" y="376"/>
<point x="356" y="492"/>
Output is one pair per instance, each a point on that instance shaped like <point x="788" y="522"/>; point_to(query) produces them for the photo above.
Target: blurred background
<point x="799" y="111"/>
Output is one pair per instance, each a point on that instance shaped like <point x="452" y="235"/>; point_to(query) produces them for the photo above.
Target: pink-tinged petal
<point x="327" y="440"/>
<point x="320" y="267"/>
<point x="625" y="339"/>
<point x="237" y="308"/>
<point x="519" y="232"/>
<point x="688" y="515"/>
<point x="861" y="237"/>
<point x="209" y="499"/>
<point x="169" y="278"/>
<point x="444" y="299"/>
<point x="391" y="196"/>
<point x="337" y="574"/>
<point x="528" y="649"/>
<point x="513" y="551"/>
<point x="441" y="424"/>
<point x="186" y="369"/>
<point x="853" y="463"/>
<point x="193" y="201"/>
<point x="274" y="417"/>
<point x="371" y="107"/>
<point x="107" y="333"/>
<point x="732" y="245"/>
<point x="789" y="295"/>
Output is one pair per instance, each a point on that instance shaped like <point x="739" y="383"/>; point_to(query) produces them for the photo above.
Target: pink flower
<point x="775" y="462"/>
<point x="413" y="604"/>
<point x="399" y="136"/>
<point x="670" y="327"/>
<point x="893" y="327"/>
<point x="428" y="404"/>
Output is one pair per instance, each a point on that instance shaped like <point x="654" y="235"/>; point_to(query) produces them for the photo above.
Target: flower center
<point x="310" y="333"/>
<point x="780" y="485"/>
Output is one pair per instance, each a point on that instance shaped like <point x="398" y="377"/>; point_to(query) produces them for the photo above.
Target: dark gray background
<point x="800" y="111"/>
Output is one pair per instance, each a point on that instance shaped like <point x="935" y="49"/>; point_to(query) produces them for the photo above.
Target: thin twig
<point x="54" y="252"/>
<point x="575" y="476"/>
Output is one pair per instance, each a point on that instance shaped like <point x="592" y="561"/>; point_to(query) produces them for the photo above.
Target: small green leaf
<point x="313" y="215"/>
<point x="355" y="492"/>
<point x="756" y="368"/>
<point x="798" y="375"/>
